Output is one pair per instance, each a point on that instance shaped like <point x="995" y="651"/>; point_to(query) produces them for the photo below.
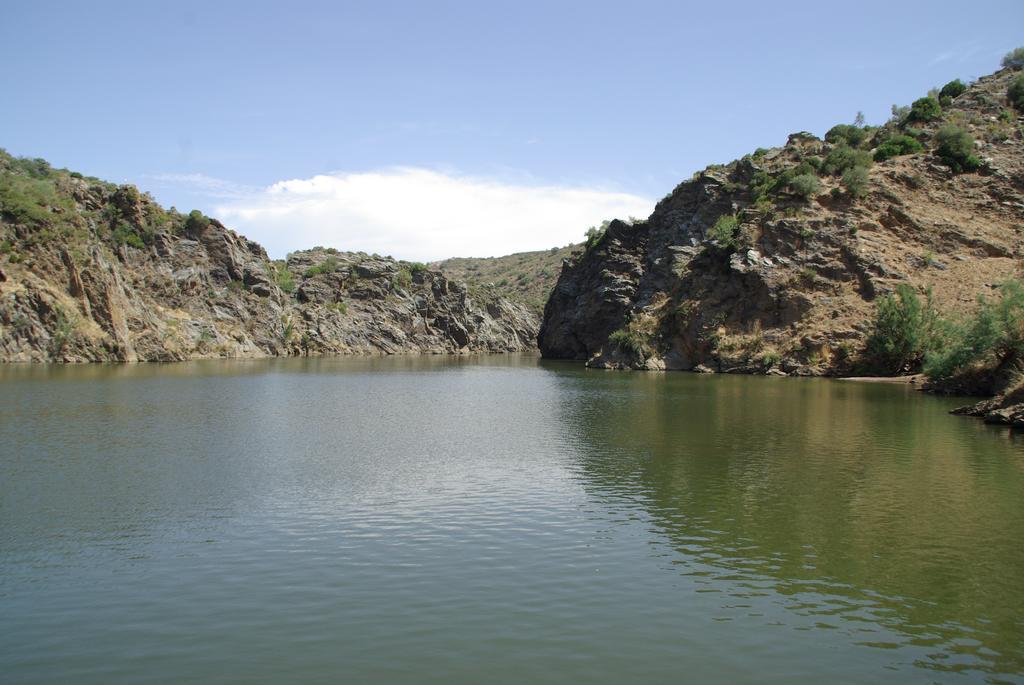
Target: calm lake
<point x="501" y="520"/>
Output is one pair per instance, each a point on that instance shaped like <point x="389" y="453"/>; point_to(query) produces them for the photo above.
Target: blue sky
<point x="549" y="113"/>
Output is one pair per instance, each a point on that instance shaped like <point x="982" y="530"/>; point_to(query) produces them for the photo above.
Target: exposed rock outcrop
<point x="96" y="272"/>
<point x="737" y="270"/>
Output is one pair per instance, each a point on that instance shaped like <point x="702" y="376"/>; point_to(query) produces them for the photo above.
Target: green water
<point x="499" y="520"/>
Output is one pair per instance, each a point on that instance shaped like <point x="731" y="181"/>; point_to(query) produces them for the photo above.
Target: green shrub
<point x="27" y="201"/>
<point x="34" y="168"/>
<point x="339" y="307"/>
<point x="328" y="266"/>
<point x="64" y="327"/>
<point x="1014" y="59"/>
<point x="631" y="342"/>
<point x="284" y="278"/>
<point x="196" y="223"/>
<point x="994" y="335"/>
<point x="759" y="153"/>
<point x="806" y="167"/>
<point x="770" y="359"/>
<point x="1015" y="92"/>
<point x="896" y="146"/>
<point x="595" y="235"/>
<point x="953" y="89"/>
<point x="915" y="133"/>
<point x="287" y="328"/>
<point x="904" y="330"/>
<point x="843" y="157"/>
<point x="805" y="185"/>
<point x="125" y="234"/>
<point x="417" y="267"/>
<point x="402" y="279"/>
<point x="725" y="230"/>
<point x="955" y="147"/>
<point x="761" y="184"/>
<point x="924" y="109"/>
<point x="855" y="180"/>
<point x="846" y="133"/>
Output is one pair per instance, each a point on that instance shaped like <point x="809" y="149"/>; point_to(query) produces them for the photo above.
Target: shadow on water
<point x="859" y="507"/>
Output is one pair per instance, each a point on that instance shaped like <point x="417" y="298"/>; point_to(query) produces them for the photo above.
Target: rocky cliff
<point x="90" y="271"/>
<point x="773" y="263"/>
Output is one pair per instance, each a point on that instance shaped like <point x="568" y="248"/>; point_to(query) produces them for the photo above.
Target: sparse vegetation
<point x="594" y="235"/>
<point x="328" y="266"/>
<point x="725" y="230"/>
<point x="501" y="274"/>
<point x="284" y="278"/>
<point x="64" y="327"/>
<point x="401" y="280"/>
<point x="287" y="329"/>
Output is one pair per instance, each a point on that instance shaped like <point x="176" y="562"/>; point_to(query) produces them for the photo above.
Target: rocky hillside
<point x="526" y="277"/>
<point x="774" y="262"/>
<point x="90" y="271"/>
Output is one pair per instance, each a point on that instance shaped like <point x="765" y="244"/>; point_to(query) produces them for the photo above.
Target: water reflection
<point x="865" y="508"/>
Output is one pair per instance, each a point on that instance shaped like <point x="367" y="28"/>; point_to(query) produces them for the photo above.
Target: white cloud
<point x="421" y="214"/>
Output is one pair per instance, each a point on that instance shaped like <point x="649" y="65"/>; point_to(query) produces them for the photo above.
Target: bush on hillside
<point x="1015" y="92"/>
<point x="953" y="89"/>
<point x="805" y="185"/>
<point x="896" y="146"/>
<point x="196" y="223"/>
<point x="855" y="181"/>
<point x="843" y="157"/>
<point x="725" y="230"/>
<point x="595" y="235"/>
<point x="955" y="147"/>
<point x="924" y="109"/>
<point x="846" y="133"/>
<point x="1014" y="59"/>
<point x="631" y="342"/>
<point x="328" y="266"/>
<point x="992" y="337"/>
<point x="903" y="333"/>
<point x="284" y="278"/>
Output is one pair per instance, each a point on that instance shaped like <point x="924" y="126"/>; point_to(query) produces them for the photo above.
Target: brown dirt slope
<point x="526" y="277"/>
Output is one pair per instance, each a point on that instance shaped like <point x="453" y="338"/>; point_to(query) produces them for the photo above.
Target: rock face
<point x="94" y="272"/>
<point x="787" y="283"/>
